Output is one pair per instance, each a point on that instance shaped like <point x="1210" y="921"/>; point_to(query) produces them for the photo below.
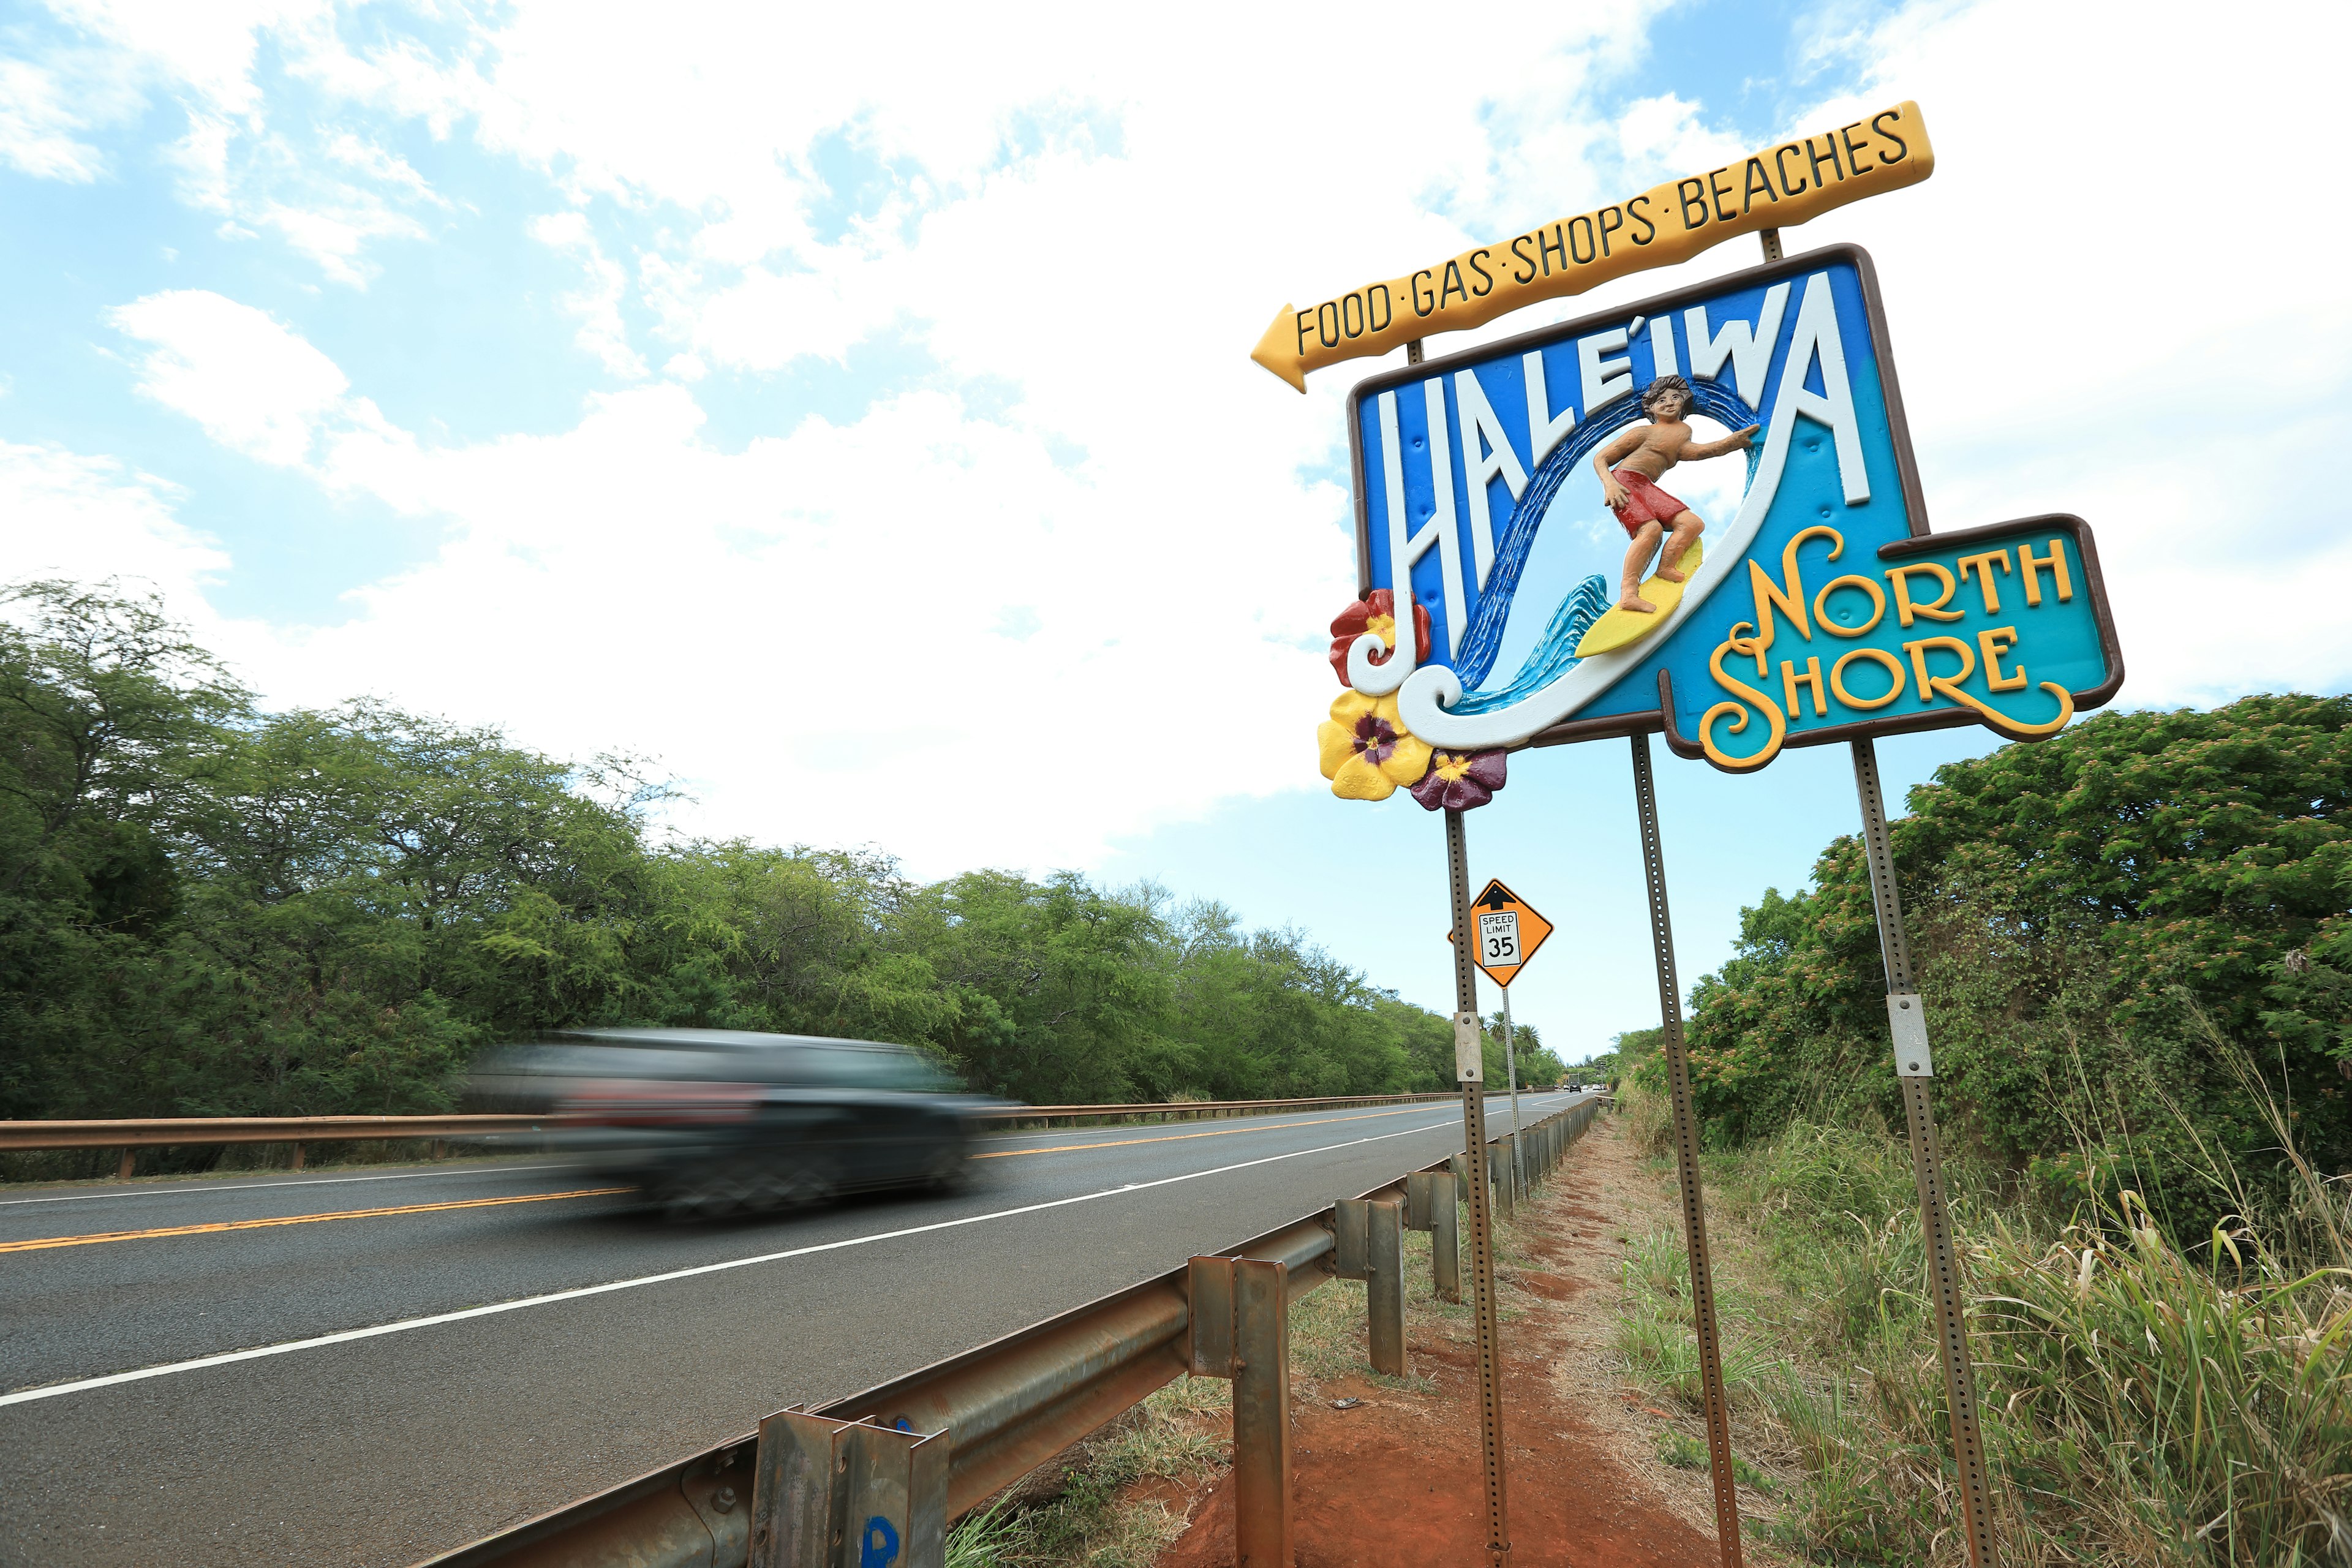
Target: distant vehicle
<point x="717" y="1121"/>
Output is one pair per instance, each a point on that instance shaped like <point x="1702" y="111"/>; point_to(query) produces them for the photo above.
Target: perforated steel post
<point x="1914" y="1068"/>
<point x="1670" y="1006"/>
<point x="1482" y="1236"/>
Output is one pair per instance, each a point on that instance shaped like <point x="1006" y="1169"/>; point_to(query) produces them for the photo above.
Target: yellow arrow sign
<point x="1778" y="187"/>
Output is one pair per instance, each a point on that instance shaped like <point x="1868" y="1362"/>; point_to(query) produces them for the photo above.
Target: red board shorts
<point x="1644" y="502"/>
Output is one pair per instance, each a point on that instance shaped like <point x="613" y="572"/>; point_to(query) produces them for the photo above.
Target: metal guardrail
<point x="170" y="1131"/>
<point x="159" y="1131"/>
<point x="1005" y="1407"/>
<point x="1170" y="1110"/>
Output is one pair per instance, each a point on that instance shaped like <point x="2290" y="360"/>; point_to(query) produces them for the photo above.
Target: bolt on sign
<point x="1775" y="188"/>
<point x="1510" y="931"/>
<point x="1814" y="605"/>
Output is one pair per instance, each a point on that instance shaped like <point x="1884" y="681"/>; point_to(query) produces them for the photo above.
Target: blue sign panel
<point x="1524" y="493"/>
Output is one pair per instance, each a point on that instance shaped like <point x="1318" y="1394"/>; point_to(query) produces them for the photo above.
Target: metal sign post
<point x="1914" y="1067"/>
<point x="1670" y="1004"/>
<point x="1468" y="1066"/>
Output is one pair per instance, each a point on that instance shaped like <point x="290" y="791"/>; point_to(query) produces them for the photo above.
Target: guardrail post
<point x="1429" y="1205"/>
<point x="1368" y="1243"/>
<point x="1261" y="1415"/>
<point x="298" y="1156"/>
<point x="842" y="1494"/>
<point x="1384" y="1287"/>
<point x="130" y="1163"/>
<point x="1348" y="1218"/>
<point x="1239" y="1320"/>
<point x="1446" y="1237"/>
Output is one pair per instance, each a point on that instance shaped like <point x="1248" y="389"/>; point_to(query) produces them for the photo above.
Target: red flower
<point x="1376" y="612"/>
<point x="1457" y="781"/>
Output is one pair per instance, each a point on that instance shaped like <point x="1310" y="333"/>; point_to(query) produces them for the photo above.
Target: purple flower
<point x="1458" y="780"/>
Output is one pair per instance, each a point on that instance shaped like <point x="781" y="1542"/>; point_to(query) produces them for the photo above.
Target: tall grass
<point x="2145" y="1402"/>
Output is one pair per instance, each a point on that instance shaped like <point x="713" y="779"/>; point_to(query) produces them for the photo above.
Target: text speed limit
<point x="1498" y="939"/>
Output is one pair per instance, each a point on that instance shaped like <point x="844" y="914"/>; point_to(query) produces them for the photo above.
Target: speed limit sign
<point x="1498" y="938"/>
<point x="1510" y="931"/>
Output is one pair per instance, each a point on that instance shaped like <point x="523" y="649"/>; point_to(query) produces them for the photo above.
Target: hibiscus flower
<point x="1367" y="750"/>
<point x="1457" y="781"/>
<point x="1376" y="612"/>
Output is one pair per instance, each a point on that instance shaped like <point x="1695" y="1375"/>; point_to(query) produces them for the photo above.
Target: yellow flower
<point x="1367" y="750"/>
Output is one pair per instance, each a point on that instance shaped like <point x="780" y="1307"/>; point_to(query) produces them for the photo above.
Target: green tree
<point x="2112" y="928"/>
<point x="206" y="908"/>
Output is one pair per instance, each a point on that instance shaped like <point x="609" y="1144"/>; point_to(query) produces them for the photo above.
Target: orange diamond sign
<point x="1510" y="931"/>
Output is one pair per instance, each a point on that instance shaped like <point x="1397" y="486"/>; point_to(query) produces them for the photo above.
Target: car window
<point x="849" y="1068"/>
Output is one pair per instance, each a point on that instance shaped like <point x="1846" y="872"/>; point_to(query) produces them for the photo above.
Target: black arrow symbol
<point x="1495" y="898"/>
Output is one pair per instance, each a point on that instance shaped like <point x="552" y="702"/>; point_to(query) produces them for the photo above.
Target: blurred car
<point x="715" y="1121"/>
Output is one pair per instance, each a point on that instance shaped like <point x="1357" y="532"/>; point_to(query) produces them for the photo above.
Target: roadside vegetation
<point x="208" y="909"/>
<point x="2137" y="958"/>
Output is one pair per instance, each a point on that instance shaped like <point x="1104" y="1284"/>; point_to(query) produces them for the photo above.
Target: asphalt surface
<point x="394" y="1383"/>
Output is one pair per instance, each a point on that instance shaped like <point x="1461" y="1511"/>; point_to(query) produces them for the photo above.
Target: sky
<point x="853" y="411"/>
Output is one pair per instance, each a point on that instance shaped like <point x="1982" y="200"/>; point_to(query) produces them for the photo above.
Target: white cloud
<point x="45" y="106"/>
<point x="250" y="382"/>
<point x="87" y="519"/>
<point x="917" y="628"/>
<point x="597" y="303"/>
<point x="2091" y="317"/>
<point x="327" y="192"/>
<point x="1070" y="581"/>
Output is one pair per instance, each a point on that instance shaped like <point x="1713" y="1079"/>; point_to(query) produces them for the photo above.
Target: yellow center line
<point x="1220" y="1132"/>
<point x="37" y="1245"/>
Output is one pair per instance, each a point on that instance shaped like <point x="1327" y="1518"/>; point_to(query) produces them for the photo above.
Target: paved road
<point x="463" y="1347"/>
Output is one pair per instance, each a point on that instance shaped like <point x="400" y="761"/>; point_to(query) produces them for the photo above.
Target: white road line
<point x="269" y="1186"/>
<point x="56" y="1390"/>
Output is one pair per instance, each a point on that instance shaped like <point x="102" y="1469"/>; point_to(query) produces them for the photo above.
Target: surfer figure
<point x="1630" y="468"/>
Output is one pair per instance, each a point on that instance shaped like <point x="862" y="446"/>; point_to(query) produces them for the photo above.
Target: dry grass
<point x="2146" y="1404"/>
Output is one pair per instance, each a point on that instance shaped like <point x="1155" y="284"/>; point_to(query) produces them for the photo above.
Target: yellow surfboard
<point x="1621" y="626"/>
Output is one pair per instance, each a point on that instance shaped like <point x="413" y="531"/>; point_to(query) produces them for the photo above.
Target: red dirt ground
<point x="1397" y="1483"/>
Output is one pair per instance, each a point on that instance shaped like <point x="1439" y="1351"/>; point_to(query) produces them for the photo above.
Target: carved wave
<point x="1484" y="640"/>
<point x="1586" y="604"/>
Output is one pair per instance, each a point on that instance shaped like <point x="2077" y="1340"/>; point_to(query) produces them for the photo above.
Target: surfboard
<point x="1621" y="626"/>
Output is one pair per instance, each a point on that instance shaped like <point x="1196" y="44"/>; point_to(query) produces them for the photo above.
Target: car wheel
<point x="796" y="1182"/>
<point x="952" y="1170"/>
